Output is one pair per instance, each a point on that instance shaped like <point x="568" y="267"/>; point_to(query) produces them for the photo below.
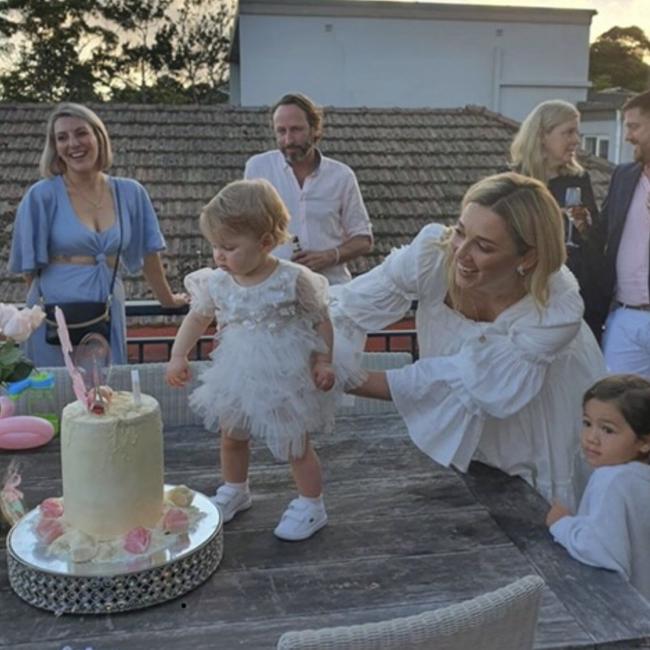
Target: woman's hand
<point x="581" y="218"/>
<point x="177" y="372"/>
<point x="154" y="274"/>
<point x="315" y="260"/>
<point x="557" y="512"/>
<point x="323" y="375"/>
<point x="176" y="300"/>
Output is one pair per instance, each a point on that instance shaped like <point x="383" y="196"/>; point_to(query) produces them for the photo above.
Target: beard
<point x="642" y="153"/>
<point x="297" y="153"/>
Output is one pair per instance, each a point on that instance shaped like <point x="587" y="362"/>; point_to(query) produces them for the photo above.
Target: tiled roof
<point x="605" y="100"/>
<point x="413" y="166"/>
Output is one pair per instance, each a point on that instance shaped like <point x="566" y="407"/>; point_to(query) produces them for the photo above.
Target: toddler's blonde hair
<point x="251" y="207"/>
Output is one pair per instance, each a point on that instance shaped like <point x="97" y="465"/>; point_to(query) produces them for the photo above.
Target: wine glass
<point x="572" y="199"/>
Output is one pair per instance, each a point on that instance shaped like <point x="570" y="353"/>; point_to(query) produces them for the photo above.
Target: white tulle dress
<point x="260" y="382"/>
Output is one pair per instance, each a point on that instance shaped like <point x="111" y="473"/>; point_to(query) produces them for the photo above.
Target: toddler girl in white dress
<point x="271" y="374"/>
<point x="612" y="526"/>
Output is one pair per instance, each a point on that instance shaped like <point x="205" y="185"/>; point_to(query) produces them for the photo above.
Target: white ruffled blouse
<point x="507" y="393"/>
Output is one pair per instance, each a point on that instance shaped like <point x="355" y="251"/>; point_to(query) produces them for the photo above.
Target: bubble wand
<point x="78" y="385"/>
<point x="92" y="357"/>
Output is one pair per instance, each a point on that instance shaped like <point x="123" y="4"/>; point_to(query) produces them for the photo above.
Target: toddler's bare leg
<point x="235" y="456"/>
<point x="307" y="472"/>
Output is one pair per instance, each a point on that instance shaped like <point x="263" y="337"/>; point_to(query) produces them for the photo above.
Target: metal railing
<point x="391" y="340"/>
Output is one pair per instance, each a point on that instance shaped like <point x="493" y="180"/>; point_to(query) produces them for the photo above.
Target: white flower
<point x="7" y="312"/>
<point x="19" y="324"/>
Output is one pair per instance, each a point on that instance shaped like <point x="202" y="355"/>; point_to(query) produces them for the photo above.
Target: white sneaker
<point x="300" y="521"/>
<point x="231" y="501"/>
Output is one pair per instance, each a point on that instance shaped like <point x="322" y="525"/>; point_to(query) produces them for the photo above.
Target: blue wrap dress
<point x="47" y="226"/>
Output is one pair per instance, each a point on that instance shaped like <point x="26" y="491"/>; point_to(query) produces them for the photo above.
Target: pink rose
<point x="48" y="530"/>
<point x="51" y="508"/>
<point x="175" y="521"/>
<point x="137" y="540"/>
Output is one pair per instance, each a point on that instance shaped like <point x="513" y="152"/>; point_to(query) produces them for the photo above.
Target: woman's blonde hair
<point x="527" y="149"/>
<point x="533" y="220"/>
<point x="50" y="164"/>
<point x="246" y="207"/>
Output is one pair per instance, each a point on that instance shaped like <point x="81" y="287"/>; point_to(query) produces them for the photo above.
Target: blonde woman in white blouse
<point x="505" y="354"/>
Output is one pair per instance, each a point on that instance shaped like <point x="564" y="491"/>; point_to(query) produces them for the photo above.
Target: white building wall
<point x="385" y="62"/>
<point x="619" y="150"/>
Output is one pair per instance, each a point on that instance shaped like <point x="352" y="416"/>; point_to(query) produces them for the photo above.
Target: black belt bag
<point x="84" y="317"/>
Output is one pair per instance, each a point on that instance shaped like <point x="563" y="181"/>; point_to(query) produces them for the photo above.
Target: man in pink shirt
<point x="626" y="211"/>
<point x="329" y="221"/>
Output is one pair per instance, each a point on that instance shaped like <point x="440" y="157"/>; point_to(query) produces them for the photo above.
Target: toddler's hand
<point x="177" y="372"/>
<point x="323" y="375"/>
<point x="557" y="512"/>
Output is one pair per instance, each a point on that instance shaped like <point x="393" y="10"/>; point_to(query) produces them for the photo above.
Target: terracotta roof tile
<point x="413" y="166"/>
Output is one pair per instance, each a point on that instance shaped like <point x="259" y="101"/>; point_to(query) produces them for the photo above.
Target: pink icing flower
<point x="175" y="521"/>
<point x="47" y="530"/>
<point x="51" y="508"/>
<point x="137" y="540"/>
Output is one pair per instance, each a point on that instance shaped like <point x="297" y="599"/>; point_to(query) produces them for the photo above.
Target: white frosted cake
<point x="113" y="505"/>
<point x="112" y="466"/>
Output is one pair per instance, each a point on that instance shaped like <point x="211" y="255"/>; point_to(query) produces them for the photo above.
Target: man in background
<point x="329" y="220"/>
<point x="626" y="214"/>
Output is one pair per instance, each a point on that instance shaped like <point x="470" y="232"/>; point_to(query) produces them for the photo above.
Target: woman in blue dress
<point x="68" y="228"/>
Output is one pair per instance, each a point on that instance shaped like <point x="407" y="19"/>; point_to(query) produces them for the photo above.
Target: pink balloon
<point x="24" y="432"/>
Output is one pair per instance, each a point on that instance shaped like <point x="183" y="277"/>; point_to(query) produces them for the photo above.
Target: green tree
<point x="196" y="47"/>
<point x="616" y="58"/>
<point x="48" y="63"/>
<point x="140" y="59"/>
<point x="172" y="51"/>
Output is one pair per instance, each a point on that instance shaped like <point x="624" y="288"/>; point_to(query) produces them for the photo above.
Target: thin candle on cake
<point x="135" y="387"/>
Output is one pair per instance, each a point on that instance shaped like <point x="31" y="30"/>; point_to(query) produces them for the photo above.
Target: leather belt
<point x="637" y="307"/>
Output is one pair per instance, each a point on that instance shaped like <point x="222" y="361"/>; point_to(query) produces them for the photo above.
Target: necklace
<point x="95" y="204"/>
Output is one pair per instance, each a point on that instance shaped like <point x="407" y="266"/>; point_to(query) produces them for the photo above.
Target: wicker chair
<point x="504" y="619"/>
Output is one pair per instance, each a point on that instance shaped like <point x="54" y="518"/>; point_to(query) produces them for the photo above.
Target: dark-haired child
<point x="612" y="526"/>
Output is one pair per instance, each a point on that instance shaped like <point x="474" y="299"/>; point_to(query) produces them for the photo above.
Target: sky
<point x="621" y="13"/>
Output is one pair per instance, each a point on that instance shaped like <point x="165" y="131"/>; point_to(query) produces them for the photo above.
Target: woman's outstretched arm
<point x="375" y="386"/>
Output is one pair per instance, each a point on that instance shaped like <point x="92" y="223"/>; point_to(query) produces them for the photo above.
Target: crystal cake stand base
<point x="83" y="588"/>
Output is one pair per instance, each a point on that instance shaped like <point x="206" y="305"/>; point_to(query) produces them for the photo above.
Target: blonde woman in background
<point x="68" y="230"/>
<point x="545" y="148"/>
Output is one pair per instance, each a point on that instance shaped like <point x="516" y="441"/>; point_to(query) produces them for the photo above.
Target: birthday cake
<point x="112" y="466"/>
<point x="114" y="503"/>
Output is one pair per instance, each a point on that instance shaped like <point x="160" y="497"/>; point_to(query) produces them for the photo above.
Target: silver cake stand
<point x="67" y="587"/>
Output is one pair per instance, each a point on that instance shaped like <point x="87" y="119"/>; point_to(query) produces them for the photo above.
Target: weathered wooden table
<point x="405" y="535"/>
